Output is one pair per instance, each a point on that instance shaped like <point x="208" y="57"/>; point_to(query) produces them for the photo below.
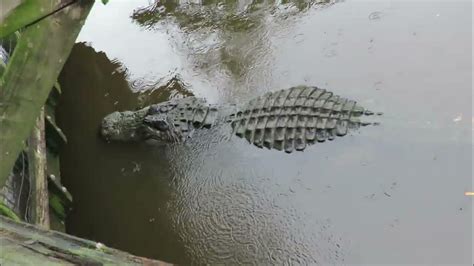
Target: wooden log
<point x="26" y="244"/>
<point x="31" y="73"/>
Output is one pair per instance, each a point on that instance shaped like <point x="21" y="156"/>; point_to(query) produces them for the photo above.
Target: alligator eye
<point x="154" y="109"/>
<point x="159" y="124"/>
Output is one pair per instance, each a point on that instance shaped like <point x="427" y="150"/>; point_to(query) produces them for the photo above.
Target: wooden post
<point x="31" y="72"/>
<point x="37" y="173"/>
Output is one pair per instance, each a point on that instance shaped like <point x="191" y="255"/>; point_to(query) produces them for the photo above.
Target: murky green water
<point x="387" y="194"/>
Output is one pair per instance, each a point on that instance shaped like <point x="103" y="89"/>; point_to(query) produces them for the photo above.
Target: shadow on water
<point x="181" y="203"/>
<point x="115" y="186"/>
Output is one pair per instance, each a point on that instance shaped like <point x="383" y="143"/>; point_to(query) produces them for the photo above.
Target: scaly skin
<point x="286" y="120"/>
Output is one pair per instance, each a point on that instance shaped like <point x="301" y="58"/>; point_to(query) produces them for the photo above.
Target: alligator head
<point x="155" y="124"/>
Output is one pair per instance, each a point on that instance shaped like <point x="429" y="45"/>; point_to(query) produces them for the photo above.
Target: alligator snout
<point x="108" y="128"/>
<point x="121" y="126"/>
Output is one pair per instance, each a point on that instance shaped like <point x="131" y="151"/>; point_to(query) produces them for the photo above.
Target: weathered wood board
<point x="26" y="244"/>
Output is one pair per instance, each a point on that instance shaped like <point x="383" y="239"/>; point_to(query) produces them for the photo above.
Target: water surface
<point x="387" y="194"/>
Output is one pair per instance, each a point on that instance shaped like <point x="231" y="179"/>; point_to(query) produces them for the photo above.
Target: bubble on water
<point x="137" y="167"/>
<point x="378" y="85"/>
<point x="375" y="15"/>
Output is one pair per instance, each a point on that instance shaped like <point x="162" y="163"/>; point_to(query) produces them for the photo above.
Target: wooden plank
<point x="24" y="243"/>
<point x="7" y="7"/>
<point x="31" y="73"/>
<point x="17" y="14"/>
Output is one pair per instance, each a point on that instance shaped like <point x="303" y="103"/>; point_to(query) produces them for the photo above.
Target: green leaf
<point x="58" y="206"/>
<point x="5" y="211"/>
<point x="105" y="2"/>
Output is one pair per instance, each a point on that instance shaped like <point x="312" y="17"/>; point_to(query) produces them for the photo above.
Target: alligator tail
<point x="295" y="118"/>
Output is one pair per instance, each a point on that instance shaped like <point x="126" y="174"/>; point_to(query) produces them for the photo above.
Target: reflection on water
<point x="388" y="194"/>
<point x="230" y="40"/>
<point x="229" y="16"/>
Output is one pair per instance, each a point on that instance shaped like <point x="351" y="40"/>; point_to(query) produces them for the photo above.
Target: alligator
<point x="288" y="119"/>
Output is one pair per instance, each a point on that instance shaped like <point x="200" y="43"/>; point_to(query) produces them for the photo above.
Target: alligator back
<point x="183" y="116"/>
<point x="293" y="118"/>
